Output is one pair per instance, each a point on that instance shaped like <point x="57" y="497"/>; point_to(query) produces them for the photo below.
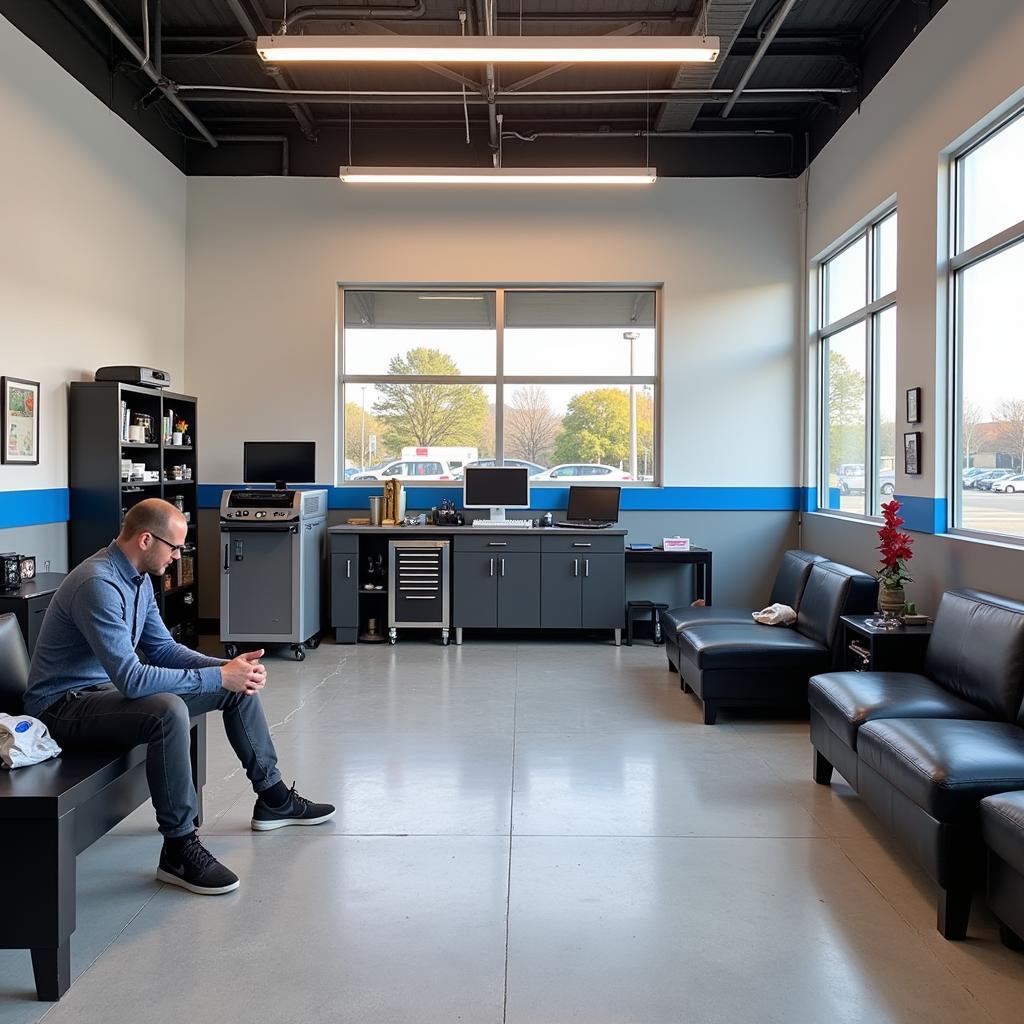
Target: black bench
<point x="51" y="812"/>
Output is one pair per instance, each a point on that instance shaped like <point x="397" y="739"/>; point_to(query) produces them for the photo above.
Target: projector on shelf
<point x="144" y="376"/>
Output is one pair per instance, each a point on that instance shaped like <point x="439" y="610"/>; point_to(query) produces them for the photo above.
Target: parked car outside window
<point x="1009" y="484"/>
<point x="534" y="469"/>
<point x="409" y="469"/>
<point x="984" y="483"/>
<point x="586" y="470"/>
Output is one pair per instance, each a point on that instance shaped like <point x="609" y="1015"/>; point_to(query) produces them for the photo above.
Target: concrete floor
<point x="527" y="832"/>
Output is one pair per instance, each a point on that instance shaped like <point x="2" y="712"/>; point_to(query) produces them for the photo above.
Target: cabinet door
<point x="345" y="590"/>
<point x="475" y="590"/>
<point x="519" y="591"/>
<point x="604" y="591"/>
<point x="561" y="592"/>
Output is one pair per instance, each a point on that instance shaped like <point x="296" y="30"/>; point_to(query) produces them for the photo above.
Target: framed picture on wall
<point x="912" y="453"/>
<point x="20" y="421"/>
<point x="913" y="405"/>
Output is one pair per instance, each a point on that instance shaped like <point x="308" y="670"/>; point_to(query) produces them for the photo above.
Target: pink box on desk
<point x="676" y="543"/>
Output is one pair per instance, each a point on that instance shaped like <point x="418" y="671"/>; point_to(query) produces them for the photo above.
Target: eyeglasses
<point x="174" y="547"/>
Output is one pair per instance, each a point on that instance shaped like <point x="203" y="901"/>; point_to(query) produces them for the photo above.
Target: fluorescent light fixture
<point x="499" y="175"/>
<point x="492" y="49"/>
<point x="450" y="298"/>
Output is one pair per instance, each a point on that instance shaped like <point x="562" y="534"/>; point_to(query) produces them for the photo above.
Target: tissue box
<point x="676" y="543"/>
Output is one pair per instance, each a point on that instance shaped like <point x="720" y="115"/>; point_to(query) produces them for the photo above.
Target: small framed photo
<point x="913" y="405"/>
<point x="912" y="453"/>
<point x="20" y="421"/>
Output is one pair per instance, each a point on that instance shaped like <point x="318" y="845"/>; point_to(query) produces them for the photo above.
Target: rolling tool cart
<point x="419" y="586"/>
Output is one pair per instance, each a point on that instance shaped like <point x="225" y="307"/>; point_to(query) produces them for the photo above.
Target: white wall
<point x="966" y="63"/>
<point x="92" y="260"/>
<point x="265" y="256"/>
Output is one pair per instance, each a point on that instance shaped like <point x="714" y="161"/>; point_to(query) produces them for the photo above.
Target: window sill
<point x="846" y="517"/>
<point x="987" y="539"/>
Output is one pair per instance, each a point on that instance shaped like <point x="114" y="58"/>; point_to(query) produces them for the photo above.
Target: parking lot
<point x="982" y="510"/>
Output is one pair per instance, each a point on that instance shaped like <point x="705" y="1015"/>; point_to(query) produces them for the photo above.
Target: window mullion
<point x="499" y="384"/>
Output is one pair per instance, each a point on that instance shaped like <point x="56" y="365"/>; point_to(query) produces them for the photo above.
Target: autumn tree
<point x="595" y="428"/>
<point x="358" y="428"/>
<point x="970" y="418"/>
<point x="530" y="425"/>
<point x="425" y="414"/>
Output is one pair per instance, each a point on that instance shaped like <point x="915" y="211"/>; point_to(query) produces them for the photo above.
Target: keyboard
<point x="514" y="524"/>
<point x="585" y="524"/>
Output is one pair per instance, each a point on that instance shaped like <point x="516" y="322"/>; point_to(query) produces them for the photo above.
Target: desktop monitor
<point x="593" y="503"/>
<point x="496" y="488"/>
<point x="277" y="462"/>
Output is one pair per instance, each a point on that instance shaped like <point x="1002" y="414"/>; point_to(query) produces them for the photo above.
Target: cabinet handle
<point x="575" y="567"/>
<point x="348" y="568"/>
<point x="586" y="567"/>
<point x="497" y="543"/>
<point x="582" y="544"/>
<point x="502" y="560"/>
<point x="492" y="566"/>
<point x="225" y="558"/>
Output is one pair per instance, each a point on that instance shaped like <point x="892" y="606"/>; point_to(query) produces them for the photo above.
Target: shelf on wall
<point x="168" y="591"/>
<point x="139" y="444"/>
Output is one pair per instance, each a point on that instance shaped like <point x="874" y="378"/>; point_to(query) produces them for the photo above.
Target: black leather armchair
<point x="13" y="666"/>
<point x="743" y="663"/>
<point x="788" y="588"/>
<point x="1002" y="828"/>
<point x="923" y="750"/>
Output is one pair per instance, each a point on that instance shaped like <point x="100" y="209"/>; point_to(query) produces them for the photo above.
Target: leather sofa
<point x="788" y="589"/>
<point x="1002" y="828"/>
<point x="729" y="664"/>
<point x="923" y="750"/>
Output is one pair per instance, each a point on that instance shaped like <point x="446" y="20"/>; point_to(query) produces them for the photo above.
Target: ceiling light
<point x="499" y="175"/>
<point x="450" y="298"/>
<point x="492" y="49"/>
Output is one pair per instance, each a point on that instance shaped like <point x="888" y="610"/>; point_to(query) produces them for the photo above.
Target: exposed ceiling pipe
<point x="147" y="68"/>
<point x="766" y="41"/>
<point x="282" y="139"/>
<point x="641" y="133"/>
<point x="158" y="37"/>
<point x="278" y="76"/>
<point x="484" y="17"/>
<point x="415" y="10"/>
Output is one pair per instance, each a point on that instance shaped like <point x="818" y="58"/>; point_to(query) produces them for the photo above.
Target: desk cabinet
<point x="29" y="603"/>
<point x="496" y="583"/>
<point x="345" y="588"/>
<point x="582" y="590"/>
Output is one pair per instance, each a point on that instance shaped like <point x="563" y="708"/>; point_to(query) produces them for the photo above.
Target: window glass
<point x="845" y="418"/>
<point x="885" y="257"/>
<point x="991" y="347"/>
<point x="845" y="282"/>
<point x="990" y="176"/>
<point x="885" y="427"/>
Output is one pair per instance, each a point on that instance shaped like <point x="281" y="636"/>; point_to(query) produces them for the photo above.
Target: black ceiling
<point x="832" y="51"/>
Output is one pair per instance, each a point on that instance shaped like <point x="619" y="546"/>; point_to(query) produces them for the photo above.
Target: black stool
<point x="635" y="608"/>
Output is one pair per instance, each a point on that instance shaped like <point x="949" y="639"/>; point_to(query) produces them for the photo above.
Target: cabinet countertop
<point x="533" y="531"/>
<point x="43" y="583"/>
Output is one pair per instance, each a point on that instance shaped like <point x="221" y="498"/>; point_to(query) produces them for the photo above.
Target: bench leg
<point x="953" y="912"/>
<point x="710" y="712"/>
<point x="197" y="750"/>
<point x="52" y="969"/>
<point x="1010" y="939"/>
<point x="822" y="769"/>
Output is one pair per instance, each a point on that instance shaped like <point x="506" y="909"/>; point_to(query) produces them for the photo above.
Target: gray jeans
<point x="102" y="717"/>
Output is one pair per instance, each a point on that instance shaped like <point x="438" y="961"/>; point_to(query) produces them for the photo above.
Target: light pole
<point x="631" y="337"/>
<point x="362" y="432"/>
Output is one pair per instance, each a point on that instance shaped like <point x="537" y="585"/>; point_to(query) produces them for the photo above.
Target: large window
<point x="857" y="355"/>
<point x="564" y="381"/>
<point x="988" y="272"/>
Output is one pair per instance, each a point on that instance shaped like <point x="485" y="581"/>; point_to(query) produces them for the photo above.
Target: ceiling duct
<point x="725" y="19"/>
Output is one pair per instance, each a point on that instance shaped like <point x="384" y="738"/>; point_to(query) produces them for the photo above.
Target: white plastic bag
<point x="775" y="615"/>
<point x="25" y="740"/>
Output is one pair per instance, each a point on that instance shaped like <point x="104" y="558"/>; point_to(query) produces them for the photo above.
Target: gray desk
<point x="542" y="578"/>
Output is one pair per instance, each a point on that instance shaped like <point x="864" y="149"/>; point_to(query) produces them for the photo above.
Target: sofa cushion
<point x="846" y="700"/>
<point x="1002" y="827"/>
<point x="833" y="590"/>
<point x="976" y="651"/>
<point x="791" y="578"/>
<point x="674" y="620"/>
<point x="750" y="646"/>
<point x="945" y="767"/>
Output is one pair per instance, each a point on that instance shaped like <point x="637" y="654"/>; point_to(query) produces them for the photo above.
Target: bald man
<point x="90" y="688"/>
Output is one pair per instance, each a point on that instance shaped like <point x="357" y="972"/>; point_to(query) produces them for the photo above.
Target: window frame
<point x="869" y="314"/>
<point x="499" y="381"/>
<point x="958" y="263"/>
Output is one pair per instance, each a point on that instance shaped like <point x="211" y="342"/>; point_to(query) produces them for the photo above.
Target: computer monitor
<point x="277" y="462"/>
<point x="596" y="504"/>
<point x="496" y="488"/>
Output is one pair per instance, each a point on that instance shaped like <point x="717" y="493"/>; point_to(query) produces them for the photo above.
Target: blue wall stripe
<point x="33" y="508"/>
<point x="923" y="515"/>
<point x="649" y="499"/>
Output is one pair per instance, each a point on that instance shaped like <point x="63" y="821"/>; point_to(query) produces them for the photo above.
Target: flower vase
<point x="891" y="602"/>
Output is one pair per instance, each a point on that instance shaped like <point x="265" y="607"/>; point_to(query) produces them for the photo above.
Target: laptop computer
<point x="592" y="508"/>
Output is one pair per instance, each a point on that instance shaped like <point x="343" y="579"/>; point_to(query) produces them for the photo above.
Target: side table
<point x="29" y="603"/>
<point x="866" y="648"/>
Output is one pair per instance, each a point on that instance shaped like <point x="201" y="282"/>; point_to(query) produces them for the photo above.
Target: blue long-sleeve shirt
<point x="102" y="612"/>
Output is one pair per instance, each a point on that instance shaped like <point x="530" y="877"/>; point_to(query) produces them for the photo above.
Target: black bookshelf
<point x="100" y="497"/>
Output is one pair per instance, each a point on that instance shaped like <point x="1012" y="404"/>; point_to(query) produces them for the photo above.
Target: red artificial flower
<point x="894" y="547"/>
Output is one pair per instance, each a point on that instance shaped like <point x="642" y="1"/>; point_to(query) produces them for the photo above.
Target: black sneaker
<point x="196" y="869"/>
<point x="296" y="810"/>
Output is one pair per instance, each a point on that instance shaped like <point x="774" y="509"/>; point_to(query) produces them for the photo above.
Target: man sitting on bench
<point x="88" y="685"/>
